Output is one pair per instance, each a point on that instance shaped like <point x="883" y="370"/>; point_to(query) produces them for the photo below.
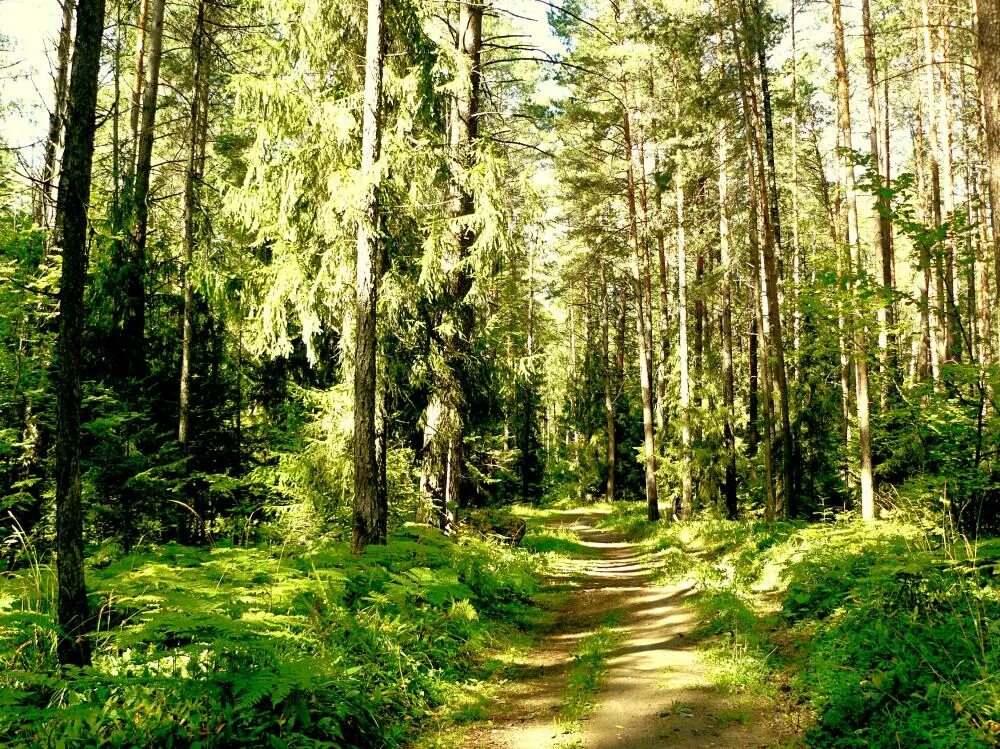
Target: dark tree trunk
<point x="370" y="505"/>
<point x="73" y="610"/>
<point x="134" y="277"/>
<point x="57" y="117"/>
<point x="192" y="183"/>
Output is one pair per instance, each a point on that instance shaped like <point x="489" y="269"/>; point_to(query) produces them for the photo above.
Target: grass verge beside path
<point x="889" y="635"/>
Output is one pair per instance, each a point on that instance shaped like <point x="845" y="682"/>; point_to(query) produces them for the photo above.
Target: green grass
<point x="588" y="669"/>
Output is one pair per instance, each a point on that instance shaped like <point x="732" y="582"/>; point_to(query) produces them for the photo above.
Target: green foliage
<point x="284" y="645"/>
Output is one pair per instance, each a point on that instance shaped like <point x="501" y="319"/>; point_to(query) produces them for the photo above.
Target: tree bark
<point x="73" y="610"/>
<point x="192" y="183"/>
<point x="134" y="277"/>
<point x="369" y="506"/>
<point x="854" y="249"/>
<point x="640" y="274"/>
<point x="988" y="48"/>
<point x="142" y="27"/>
<point x="883" y="227"/>
<point x="442" y="468"/>
<point x="57" y="117"/>
<point x="686" y="509"/>
<point x="728" y="389"/>
<point x="609" y="401"/>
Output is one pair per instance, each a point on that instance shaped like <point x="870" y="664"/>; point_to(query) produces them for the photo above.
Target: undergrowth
<point x="890" y="635"/>
<point x="281" y="646"/>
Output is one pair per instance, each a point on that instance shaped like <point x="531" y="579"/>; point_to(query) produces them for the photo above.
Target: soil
<point x="656" y="691"/>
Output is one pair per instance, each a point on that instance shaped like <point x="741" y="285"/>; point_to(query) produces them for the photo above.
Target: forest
<point x="583" y="374"/>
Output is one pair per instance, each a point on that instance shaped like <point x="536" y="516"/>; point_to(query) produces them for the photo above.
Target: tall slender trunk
<point x="938" y="334"/>
<point x="923" y="368"/>
<point x="443" y="459"/>
<point x="73" y="610"/>
<point x="57" y="117"/>
<point x="192" y="179"/>
<point x="640" y="274"/>
<point x="945" y="126"/>
<point x="686" y="509"/>
<point x="988" y="91"/>
<point x="883" y="227"/>
<point x="988" y="49"/>
<point x="370" y="505"/>
<point x="854" y="249"/>
<point x="134" y="279"/>
<point x="142" y="29"/>
<point x="728" y="389"/>
<point x="776" y="364"/>
<point x="796" y="248"/>
<point x="609" y="401"/>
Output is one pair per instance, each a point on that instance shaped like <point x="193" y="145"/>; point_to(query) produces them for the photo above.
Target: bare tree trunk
<point x="192" y="179"/>
<point x="854" y="248"/>
<point x="938" y="334"/>
<point x="796" y="249"/>
<point x="57" y="117"/>
<point x="728" y="389"/>
<point x="988" y="48"/>
<point x="883" y="227"/>
<point x="609" y="401"/>
<point x="73" y="610"/>
<point x="924" y="353"/>
<point x="686" y="509"/>
<point x="370" y="505"/>
<point x="443" y="461"/>
<point x="142" y="24"/>
<point x="640" y="273"/>
<point x="134" y="279"/>
<point x="776" y="365"/>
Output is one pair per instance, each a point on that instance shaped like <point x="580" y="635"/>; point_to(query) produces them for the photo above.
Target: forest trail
<point x="655" y="690"/>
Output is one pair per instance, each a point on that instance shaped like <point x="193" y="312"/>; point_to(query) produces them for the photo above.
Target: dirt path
<point x="655" y="692"/>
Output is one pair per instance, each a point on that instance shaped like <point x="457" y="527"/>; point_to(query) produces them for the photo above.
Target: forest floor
<point x="620" y="664"/>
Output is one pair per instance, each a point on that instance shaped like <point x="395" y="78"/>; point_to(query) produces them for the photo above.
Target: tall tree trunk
<point x="923" y="368"/>
<point x="728" y="389"/>
<point x="776" y="364"/>
<point x="134" y="278"/>
<point x="938" y="334"/>
<point x="883" y="227"/>
<point x="370" y="506"/>
<point x="73" y="611"/>
<point x="443" y="460"/>
<point x="142" y="29"/>
<point x="57" y="117"/>
<point x="640" y="274"/>
<point x="192" y="184"/>
<point x="609" y="401"/>
<point x="854" y="248"/>
<point x="988" y="48"/>
<point x="945" y="126"/>
<point x="796" y="248"/>
<point x="988" y="90"/>
<point x="686" y="509"/>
